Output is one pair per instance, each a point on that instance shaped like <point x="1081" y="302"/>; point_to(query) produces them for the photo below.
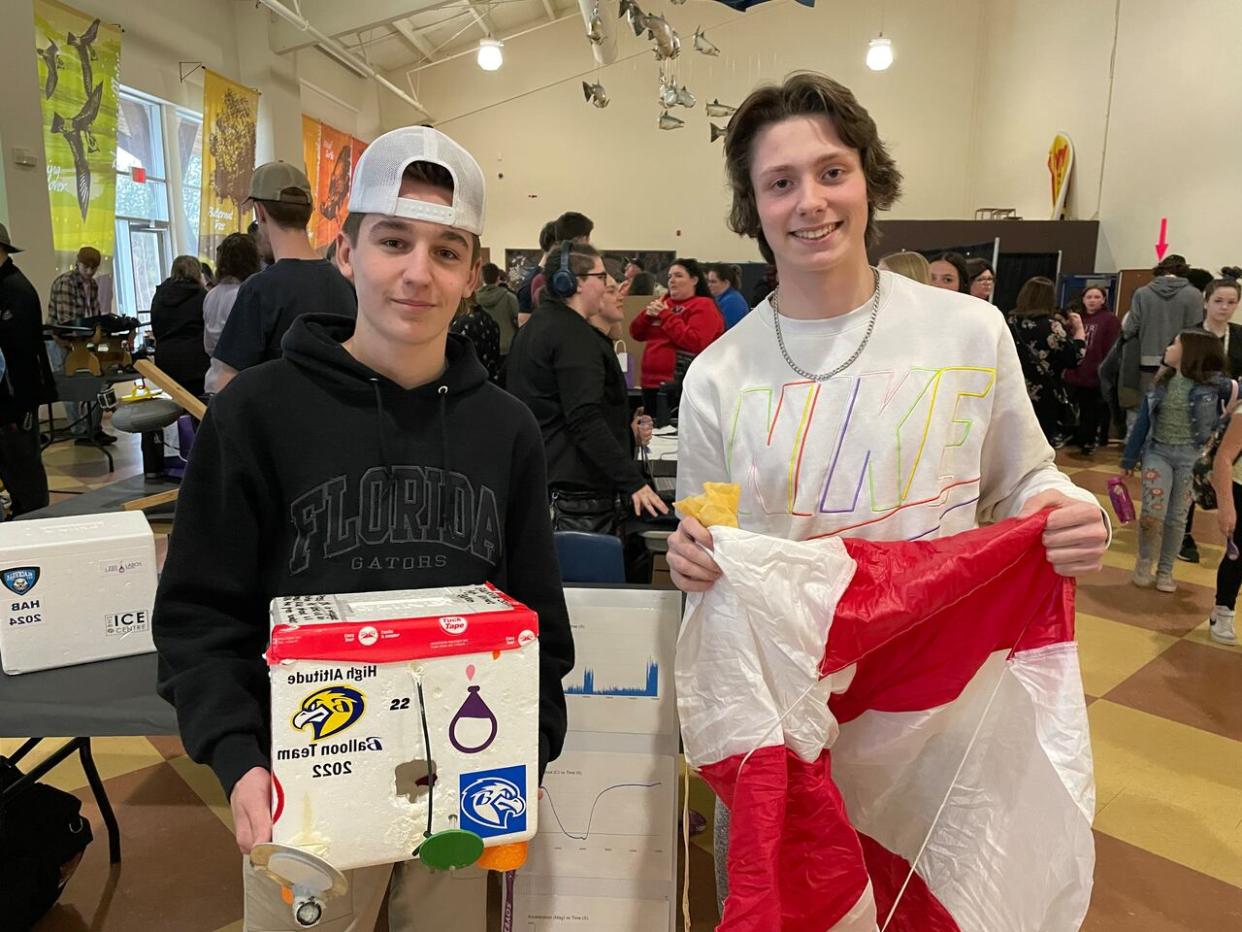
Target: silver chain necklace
<point x="825" y="376"/>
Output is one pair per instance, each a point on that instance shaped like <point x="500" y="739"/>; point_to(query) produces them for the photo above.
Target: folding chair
<point x="590" y="558"/>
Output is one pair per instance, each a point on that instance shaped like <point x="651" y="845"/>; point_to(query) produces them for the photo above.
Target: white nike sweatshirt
<point x="929" y="432"/>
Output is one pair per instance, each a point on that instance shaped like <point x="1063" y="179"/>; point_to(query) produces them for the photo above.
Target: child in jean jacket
<point x="1174" y="421"/>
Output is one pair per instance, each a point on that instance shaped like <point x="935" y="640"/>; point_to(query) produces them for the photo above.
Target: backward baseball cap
<point x="377" y="179"/>
<point x="280" y="182"/>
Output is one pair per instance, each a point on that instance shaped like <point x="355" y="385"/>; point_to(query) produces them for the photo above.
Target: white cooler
<point x="350" y="733"/>
<point x="75" y="590"/>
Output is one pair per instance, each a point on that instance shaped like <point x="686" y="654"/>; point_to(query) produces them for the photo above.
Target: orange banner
<point x="332" y="188"/>
<point x="310" y="150"/>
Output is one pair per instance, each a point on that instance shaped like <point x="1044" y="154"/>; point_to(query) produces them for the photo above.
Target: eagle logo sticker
<point x="493" y="802"/>
<point x="330" y="710"/>
<point x="20" y="579"/>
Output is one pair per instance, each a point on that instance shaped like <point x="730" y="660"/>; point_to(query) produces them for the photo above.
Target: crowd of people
<point x="1088" y="377"/>
<point x="1164" y="382"/>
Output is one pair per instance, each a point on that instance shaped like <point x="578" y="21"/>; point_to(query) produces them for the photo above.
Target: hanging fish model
<point x="668" y="95"/>
<point x="596" y="32"/>
<point x="704" y="44"/>
<point x="633" y="14"/>
<point x="716" y="131"/>
<point x="717" y="109"/>
<point x="685" y="98"/>
<point x="668" y="43"/>
<point x="668" y="121"/>
<point x="595" y="94"/>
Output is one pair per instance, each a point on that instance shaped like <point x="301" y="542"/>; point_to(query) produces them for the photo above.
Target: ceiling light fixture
<point x="879" y="53"/>
<point x="490" y="55"/>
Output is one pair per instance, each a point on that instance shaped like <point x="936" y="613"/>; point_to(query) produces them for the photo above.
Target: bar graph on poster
<point x="607" y="815"/>
<point x="619" y="685"/>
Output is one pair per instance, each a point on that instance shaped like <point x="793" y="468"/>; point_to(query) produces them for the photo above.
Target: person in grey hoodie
<point x="501" y="305"/>
<point x="1159" y="311"/>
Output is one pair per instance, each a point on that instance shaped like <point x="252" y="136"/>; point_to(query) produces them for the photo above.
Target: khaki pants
<point x="419" y="900"/>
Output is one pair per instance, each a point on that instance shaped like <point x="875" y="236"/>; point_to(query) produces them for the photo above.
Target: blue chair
<point x="590" y="558"/>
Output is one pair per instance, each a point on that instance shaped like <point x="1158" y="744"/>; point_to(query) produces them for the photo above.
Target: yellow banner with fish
<point x="79" y="59"/>
<point x="230" y="114"/>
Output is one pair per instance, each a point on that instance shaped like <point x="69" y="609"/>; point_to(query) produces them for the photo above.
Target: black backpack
<point x="42" y="837"/>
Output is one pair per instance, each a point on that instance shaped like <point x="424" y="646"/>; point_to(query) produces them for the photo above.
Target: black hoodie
<point x="290" y="491"/>
<point x="567" y="372"/>
<point x="177" y="325"/>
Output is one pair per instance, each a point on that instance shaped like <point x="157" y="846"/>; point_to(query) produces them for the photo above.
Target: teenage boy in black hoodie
<point x="374" y="455"/>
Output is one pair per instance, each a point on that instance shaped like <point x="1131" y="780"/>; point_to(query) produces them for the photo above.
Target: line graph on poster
<point x="622" y="679"/>
<point x="606" y="815"/>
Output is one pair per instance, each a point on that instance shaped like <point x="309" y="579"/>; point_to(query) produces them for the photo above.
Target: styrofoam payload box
<point x="352" y="676"/>
<point x="75" y="590"/>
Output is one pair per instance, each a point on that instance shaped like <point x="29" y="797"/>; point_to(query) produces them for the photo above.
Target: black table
<point x="105" y="698"/>
<point x="106" y="498"/>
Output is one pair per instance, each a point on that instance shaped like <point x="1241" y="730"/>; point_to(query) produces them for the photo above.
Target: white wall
<point x="157" y="36"/>
<point x="1174" y="133"/>
<point x="1043" y="69"/>
<point x="1175" y="148"/>
<point x="335" y="96"/>
<point x="969" y="108"/>
<point x="27" y="212"/>
<point x="642" y="186"/>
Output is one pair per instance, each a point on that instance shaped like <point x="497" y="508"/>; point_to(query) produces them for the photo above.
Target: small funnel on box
<point x="312" y="880"/>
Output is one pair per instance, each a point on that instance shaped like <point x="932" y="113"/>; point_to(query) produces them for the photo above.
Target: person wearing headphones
<point x="566" y="372"/>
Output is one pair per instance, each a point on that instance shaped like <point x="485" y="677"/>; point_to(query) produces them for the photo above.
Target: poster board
<point x="605" y="855"/>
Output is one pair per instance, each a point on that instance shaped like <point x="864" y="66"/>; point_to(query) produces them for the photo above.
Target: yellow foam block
<point x="716" y="507"/>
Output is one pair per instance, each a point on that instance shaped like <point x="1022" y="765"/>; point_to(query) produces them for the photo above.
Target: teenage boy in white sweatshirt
<point x="855" y="402"/>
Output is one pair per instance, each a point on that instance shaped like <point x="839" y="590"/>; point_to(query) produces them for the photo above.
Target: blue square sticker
<point x="493" y="802"/>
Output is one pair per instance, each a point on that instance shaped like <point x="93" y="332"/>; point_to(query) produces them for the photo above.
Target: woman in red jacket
<point x="683" y="323"/>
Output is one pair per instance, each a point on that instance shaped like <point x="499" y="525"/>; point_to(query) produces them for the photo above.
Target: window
<point x="142" y="227"/>
<point x="190" y="157"/>
<point x="157" y="218"/>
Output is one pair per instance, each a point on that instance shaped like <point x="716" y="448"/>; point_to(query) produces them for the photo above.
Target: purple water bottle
<point x="1119" y="495"/>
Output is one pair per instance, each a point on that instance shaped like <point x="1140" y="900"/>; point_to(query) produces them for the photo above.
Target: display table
<point x="110" y="497"/>
<point x="109" y="698"/>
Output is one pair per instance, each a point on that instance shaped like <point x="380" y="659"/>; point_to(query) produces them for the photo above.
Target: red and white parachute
<point x="862" y="707"/>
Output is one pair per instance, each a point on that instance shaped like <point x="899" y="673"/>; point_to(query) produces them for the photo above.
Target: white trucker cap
<point x="377" y="179"/>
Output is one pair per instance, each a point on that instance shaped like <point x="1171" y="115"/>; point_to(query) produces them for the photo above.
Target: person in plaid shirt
<point x="75" y="294"/>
